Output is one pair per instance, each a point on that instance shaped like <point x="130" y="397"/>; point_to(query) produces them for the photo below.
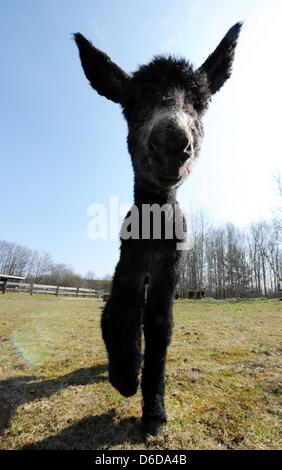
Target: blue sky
<point x="63" y="147"/>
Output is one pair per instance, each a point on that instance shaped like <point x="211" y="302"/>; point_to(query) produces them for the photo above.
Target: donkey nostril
<point x="180" y="145"/>
<point x="152" y="148"/>
<point x="188" y="145"/>
<point x="184" y="157"/>
<point x="171" y="141"/>
<point x="155" y="144"/>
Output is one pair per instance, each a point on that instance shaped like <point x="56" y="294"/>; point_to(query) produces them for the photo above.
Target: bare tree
<point x="14" y="258"/>
<point x="267" y="238"/>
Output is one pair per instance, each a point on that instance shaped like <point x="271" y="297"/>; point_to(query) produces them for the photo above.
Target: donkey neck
<point x="144" y="195"/>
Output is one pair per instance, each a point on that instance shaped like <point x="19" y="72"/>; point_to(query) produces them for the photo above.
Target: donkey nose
<point x="170" y="142"/>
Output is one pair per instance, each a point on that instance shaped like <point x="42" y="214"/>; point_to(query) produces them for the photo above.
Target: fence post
<point x="57" y="291"/>
<point x="4" y="286"/>
<point x="77" y="290"/>
<point x="31" y="288"/>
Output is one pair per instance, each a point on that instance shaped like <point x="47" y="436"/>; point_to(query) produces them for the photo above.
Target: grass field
<point x="222" y="377"/>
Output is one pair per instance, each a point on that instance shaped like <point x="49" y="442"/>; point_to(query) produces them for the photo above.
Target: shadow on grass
<point x="19" y="390"/>
<point x="100" y="431"/>
<point x="93" y="432"/>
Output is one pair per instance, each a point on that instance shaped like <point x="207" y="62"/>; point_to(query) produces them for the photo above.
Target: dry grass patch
<point x="223" y="381"/>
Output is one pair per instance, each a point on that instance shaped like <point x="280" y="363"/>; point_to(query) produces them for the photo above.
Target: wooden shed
<point x="12" y="280"/>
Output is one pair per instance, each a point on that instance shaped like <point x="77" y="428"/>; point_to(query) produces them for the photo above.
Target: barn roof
<point x="8" y="276"/>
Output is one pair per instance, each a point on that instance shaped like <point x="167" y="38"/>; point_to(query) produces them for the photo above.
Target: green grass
<point x="223" y="383"/>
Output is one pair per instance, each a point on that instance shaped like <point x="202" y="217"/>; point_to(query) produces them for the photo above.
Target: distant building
<point x="196" y="294"/>
<point x="106" y="297"/>
<point x="190" y="293"/>
<point x="280" y="289"/>
<point x="5" y="278"/>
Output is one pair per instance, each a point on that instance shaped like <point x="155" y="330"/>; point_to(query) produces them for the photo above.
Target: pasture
<point x="223" y="378"/>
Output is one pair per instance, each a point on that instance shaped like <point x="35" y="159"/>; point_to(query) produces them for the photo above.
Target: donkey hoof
<point x="125" y="389"/>
<point x="153" y="427"/>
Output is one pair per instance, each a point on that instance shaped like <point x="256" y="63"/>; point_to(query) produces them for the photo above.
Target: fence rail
<point x="31" y="288"/>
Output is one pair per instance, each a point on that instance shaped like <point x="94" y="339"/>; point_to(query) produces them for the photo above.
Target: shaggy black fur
<point x="163" y="103"/>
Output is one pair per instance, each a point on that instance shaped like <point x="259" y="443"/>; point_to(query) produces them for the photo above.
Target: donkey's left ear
<point x="104" y="76"/>
<point x="218" y="65"/>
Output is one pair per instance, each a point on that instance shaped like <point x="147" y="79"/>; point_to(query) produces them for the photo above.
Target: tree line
<point x="39" y="267"/>
<point x="227" y="261"/>
<point x="224" y="261"/>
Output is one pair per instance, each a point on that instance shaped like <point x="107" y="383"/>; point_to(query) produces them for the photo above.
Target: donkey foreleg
<point x="122" y="321"/>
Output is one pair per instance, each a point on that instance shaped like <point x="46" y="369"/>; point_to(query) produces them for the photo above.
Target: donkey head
<point x="163" y="103"/>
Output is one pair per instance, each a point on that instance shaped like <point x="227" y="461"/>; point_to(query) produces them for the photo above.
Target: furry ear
<point x="103" y="74"/>
<point x="218" y="65"/>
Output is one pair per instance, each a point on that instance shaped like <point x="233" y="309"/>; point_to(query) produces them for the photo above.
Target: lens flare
<point x="33" y="343"/>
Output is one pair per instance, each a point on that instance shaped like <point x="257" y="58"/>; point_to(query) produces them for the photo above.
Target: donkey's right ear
<point x="103" y="74"/>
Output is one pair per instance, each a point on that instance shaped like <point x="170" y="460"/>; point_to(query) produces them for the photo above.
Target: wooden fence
<point x="30" y="288"/>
